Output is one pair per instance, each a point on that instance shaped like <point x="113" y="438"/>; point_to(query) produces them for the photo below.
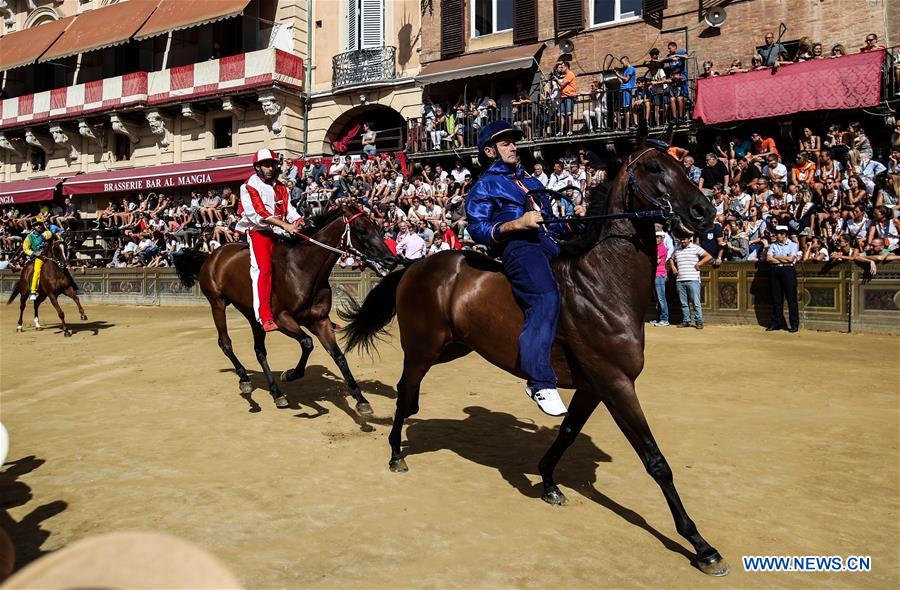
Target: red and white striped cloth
<point x="229" y="75"/>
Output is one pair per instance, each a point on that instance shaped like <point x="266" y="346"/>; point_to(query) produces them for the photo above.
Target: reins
<point x="347" y="248"/>
<point x="662" y="211"/>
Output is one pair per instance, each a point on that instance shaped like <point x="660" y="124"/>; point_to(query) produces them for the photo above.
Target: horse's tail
<point x="367" y="322"/>
<point x="15" y="292"/>
<point x="188" y="263"/>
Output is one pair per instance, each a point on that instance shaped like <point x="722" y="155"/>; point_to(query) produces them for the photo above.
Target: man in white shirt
<point x="460" y="172"/>
<point x="579" y="177"/>
<point x="685" y="264"/>
<point x="409" y="244"/>
<point x="560" y="179"/>
<point x="440" y="173"/>
<point x="539" y="174"/>
<point x="775" y="171"/>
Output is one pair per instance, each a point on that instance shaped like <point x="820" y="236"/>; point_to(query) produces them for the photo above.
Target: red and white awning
<point x="161" y="178"/>
<point x="28" y="191"/>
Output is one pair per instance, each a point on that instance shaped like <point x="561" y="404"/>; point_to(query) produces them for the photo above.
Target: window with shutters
<point x="604" y="12"/>
<point x="491" y="16"/>
<point x="365" y="24"/>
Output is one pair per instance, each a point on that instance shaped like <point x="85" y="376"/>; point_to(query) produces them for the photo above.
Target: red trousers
<point x="261" y="245"/>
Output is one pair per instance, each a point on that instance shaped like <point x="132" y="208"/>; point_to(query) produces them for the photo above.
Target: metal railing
<point x="364" y="66"/>
<point x="610" y="114"/>
<point x="890" y="79"/>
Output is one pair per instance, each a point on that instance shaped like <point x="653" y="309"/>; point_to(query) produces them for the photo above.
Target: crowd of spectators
<point x="656" y="91"/>
<point x="837" y="199"/>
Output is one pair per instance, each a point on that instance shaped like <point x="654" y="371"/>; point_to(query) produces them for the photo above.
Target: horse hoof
<point x="555" y="497"/>
<point x="287" y="376"/>
<point x="281" y="402"/>
<point x="246" y="387"/>
<point x="84" y="317"/>
<point x="364" y="409"/>
<point x="67" y="333"/>
<point x="398" y="466"/>
<point x="19" y="329"/>
<point x="714" y="565"/>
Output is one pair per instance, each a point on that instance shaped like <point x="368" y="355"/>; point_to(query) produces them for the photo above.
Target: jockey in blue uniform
<point x="501" y="217"/>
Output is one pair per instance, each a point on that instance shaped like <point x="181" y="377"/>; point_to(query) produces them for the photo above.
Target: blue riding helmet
<point x="494" y="131"/>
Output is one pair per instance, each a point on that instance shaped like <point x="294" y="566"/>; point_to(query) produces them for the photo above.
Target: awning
<point x="849" y="82"/>
<point x="172" y="15"/>
<point x="479" y="64"/>
<point x="25" y="47"/>
<point x="102" y="27"/>
<point x="161" y="178"/>
<point x="28" y="191"/>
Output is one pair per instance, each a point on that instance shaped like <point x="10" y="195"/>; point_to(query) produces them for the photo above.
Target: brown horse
<point x="301" y="294"/>
<point x="455" y="303"/>
<point x="55" y="280"/>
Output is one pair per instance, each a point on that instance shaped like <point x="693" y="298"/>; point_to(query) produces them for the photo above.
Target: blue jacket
<point x="496" y="199"/>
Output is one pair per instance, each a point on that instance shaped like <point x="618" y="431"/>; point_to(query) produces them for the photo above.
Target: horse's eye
<point x="653" y="167"/>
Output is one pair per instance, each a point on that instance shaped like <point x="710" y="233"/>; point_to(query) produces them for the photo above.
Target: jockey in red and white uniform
<point x="265" y="209"/>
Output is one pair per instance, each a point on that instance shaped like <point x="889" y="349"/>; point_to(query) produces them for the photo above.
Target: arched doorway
<point x="345" y="134"/>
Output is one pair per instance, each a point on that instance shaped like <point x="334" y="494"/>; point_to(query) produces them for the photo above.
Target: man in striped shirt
<point x="685" y="264"/>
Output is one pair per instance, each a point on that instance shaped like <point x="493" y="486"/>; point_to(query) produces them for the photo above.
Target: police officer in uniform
<point x="502" y="217"/>
<point x="783" y="255"/>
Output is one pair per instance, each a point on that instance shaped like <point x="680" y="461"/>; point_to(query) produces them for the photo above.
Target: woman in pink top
<point x="662" y="253"/>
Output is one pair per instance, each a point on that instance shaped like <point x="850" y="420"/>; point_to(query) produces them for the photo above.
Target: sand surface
<point x="781" y="444"/>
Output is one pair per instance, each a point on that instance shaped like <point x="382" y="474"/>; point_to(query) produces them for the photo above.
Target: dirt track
<point x="781" y="444"/>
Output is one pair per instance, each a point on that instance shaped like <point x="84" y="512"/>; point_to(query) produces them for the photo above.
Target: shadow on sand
<point x="513" y="447"/>
<point x="26" y="534"/>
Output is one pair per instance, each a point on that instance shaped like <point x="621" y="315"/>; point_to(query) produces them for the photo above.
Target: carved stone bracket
<point x="39" y="140"/>
<point x="161" y="127"/>
<point x="189" y="111"/>
<point x="123" y="127"/>
<point x="61" y="138"/>
<point x="94" y="133"/>
<point x="230" y="105"/>
<point x="12" y="144"/>
<point x="272" y="109"/>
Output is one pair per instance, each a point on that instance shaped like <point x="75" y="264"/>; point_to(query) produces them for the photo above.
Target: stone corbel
<point x="61" y="138"/>
<point x="123" y="127"/>
<point x="229" y="104"/>
<point x="161" y="127"/>
<point x="39" y="140"/>
<point x="12" y="144"/>
<point x="189" y="111"/>
<point x="272" y="109"/>
<point x="94" y="133"/>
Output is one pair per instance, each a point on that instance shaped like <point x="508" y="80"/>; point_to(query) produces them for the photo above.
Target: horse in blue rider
<point x="504" y="217"/>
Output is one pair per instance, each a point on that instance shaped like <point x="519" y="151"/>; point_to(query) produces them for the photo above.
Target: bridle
<point x="346" y="248"/>
<point x="663" y="205"/>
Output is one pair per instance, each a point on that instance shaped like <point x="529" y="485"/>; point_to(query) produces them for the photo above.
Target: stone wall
<point x="842" y="299"/>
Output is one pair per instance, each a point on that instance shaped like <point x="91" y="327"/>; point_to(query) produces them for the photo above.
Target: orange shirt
<point x="570" y="89"/>
<point x="766" y="145"/>
<point x="806" y="173"/>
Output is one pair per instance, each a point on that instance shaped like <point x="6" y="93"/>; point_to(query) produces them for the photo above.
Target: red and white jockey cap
<point x="265" y="155"/>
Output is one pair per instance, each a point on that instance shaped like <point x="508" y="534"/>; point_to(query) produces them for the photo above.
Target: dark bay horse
<point x="55" y="280"/>
<point x="454" y="303"/>
<point x="301" y="294"/>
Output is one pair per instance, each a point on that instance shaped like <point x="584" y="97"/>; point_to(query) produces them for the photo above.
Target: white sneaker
<point x="548" y="400"/>
<point x="660" y="324"/>
<point x="32" y="297"/>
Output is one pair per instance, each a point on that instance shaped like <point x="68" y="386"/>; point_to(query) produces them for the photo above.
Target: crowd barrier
<point x="842" y="298"/>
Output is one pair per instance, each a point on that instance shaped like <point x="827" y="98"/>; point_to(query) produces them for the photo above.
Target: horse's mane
<point x="317" y="222"/>
<point x="586" y="239"/>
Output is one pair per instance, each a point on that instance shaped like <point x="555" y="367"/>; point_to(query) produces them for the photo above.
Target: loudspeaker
<point x="714" y="17"/>
<point x="566" y="46"/>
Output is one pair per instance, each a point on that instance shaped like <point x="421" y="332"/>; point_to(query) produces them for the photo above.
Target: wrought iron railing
<point x="364" y="66"/>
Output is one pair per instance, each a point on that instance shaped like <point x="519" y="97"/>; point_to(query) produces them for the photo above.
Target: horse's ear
<point x="670" y="132"/>
<point x="641" y="132"/>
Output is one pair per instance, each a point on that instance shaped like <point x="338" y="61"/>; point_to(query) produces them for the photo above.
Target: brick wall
<point x="826" y="21"/>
